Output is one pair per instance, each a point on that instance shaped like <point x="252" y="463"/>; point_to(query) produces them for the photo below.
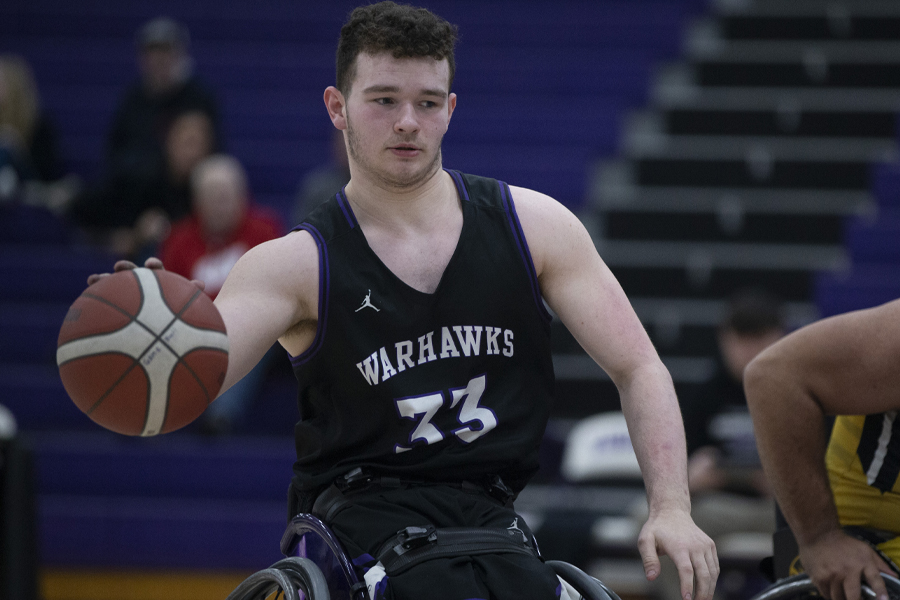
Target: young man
<point x="411" y="305"/>
<point x="844" y="365"/>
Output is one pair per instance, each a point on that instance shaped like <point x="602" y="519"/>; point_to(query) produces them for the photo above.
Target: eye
<point x="384" y="101"/>
<point x="428" y="104"/>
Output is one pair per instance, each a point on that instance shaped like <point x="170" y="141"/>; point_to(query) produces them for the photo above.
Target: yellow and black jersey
<point x="863" y="461"/>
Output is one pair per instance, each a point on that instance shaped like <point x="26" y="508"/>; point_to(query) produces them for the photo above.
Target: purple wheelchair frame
<point x="308" y="537"/>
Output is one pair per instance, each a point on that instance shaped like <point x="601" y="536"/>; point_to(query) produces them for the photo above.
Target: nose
<point x="406" y="120"/>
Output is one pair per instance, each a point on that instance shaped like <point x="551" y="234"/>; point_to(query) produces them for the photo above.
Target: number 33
<point x="475" y="420"/>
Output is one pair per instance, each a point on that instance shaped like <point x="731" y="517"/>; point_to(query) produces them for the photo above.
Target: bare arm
<point x="580" y="288"/>
<point x="270" y="295"/>
<point x="842" y="365"/>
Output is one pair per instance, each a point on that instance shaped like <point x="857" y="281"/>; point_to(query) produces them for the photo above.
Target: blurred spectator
<point x="30" y="164"/>
<point x="206" y="245"/>
<point x="189" y="141"/>
<point x="137" y="164"/>
<point x="323" y="182"/>
<point x="224" y="224"/>
<point x="718" y="429"/>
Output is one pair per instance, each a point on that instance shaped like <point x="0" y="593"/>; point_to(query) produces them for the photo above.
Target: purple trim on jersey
<point x="460" y="186"/>
<point x="345" y="207"/>
<point x="559" y="590"/>
<point x="522" y="245"/>
<point x="324" y="288"/>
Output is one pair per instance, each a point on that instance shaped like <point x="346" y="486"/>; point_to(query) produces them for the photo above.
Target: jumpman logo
<point x="367" y="302"/>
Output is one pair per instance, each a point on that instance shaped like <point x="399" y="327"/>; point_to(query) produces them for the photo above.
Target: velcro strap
<point x="415" y="545"/>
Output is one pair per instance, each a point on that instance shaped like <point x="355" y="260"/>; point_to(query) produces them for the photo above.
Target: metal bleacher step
<point x="615" y="190"/>
<point x="677" y="86"/>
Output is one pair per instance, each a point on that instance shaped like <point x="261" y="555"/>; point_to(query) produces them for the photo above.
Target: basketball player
<point x="844" y="365"/>
<point x="412" y="307"/>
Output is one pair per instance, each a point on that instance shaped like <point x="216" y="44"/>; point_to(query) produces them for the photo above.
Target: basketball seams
<point x="181" y="360"/>
<point x="180" y="357"/>
<point x="159" y="339"/>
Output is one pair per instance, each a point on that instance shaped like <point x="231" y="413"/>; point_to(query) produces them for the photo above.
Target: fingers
<point x="126" y="265"/>
<point x="711" y="558"/>
<point x="92" y="279"/>
<point x="123" y="265"/>
<point x="647" y="549"/>
<point x="876" y="582"/>
<point x="848" y="589"/>
<point x="153" y="263"/>
<point x="686" y="576"/>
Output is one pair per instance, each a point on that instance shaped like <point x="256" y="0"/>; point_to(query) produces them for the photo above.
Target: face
<point x="738" y="350"/>
<point x="160" y="67"/>
<point x="189" y="141"/>
<point x="219" y="201"/>
<point x="394" y="118"/>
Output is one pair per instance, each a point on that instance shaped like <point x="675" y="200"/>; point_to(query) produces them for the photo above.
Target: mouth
<point x="405" y="149"/>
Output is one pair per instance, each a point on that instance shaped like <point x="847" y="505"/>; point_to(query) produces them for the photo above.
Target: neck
<point x="417" y="206"/>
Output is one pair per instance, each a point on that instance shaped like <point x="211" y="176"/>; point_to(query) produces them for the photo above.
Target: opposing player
<point x="412" y="307"/>
<point x="845" y="365"/>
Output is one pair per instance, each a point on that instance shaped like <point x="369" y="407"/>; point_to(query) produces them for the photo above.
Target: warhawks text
<point x="467" y="341"/>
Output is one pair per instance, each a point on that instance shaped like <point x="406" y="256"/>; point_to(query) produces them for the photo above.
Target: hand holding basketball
<point x="142" y="351"/>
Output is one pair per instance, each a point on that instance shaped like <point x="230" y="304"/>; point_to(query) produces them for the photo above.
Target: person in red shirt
<point x="205" y="245"/>
<point x="223" y="225"/>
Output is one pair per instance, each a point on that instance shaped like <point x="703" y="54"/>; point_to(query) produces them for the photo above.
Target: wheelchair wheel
<point x="287" y="576"/>
<point x="799" y="586"/>
<point x="589" y="587"/>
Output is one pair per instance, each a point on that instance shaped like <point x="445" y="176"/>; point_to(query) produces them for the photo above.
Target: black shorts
<point x="375" y="516"/>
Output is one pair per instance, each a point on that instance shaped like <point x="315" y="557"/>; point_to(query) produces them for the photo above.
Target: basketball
<point x="142" y="352"/>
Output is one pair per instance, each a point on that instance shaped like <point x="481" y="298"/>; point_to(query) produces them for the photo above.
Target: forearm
<point x="791" y="437"/>
<point x="657" y="434"/>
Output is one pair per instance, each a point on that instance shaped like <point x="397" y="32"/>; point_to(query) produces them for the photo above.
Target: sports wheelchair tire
<point x="589" y="587"/>
<point x="287" y="576"/>
<point x="799" y="586"/>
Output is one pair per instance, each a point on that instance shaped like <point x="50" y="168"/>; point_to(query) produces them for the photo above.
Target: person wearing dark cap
<point x="166" y="89"/>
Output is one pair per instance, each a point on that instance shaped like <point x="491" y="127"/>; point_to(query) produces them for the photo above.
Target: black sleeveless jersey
<point x="447" y="386"/>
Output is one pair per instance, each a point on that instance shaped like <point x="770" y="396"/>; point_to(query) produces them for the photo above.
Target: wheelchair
<point x="317" y="568"/>
<point x="790" y="585"/>
<point x="798" y="587"/>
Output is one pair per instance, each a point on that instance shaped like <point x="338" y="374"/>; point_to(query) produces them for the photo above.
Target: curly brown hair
<point x="403" y="30"/>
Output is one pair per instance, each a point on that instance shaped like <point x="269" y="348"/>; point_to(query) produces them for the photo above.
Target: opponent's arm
<point x="580" y="288"/>
<point x="841" y="365"/>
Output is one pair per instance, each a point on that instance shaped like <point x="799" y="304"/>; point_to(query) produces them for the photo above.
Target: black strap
<point x="329" y="503"/>
<point x="415" y="545"/>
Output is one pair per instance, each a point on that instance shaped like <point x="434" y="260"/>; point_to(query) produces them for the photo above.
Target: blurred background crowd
<point x="735" y="161"/>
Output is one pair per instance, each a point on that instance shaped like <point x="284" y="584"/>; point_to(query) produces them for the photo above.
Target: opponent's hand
<point x="125" y="265"/>
<point x="693" y="552"/>
<point x="837" y="564"/>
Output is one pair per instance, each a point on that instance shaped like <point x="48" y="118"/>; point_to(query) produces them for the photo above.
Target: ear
<point x="451" y="106"/>
<point x="335" y="103"/>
